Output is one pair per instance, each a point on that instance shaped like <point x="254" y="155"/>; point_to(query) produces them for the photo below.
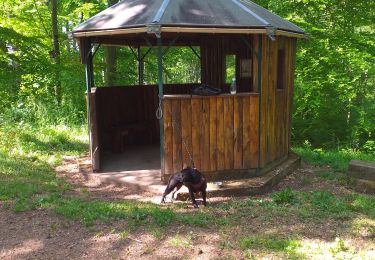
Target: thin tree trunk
<point x="68" y="41"/>
<point x="56" y="52"/>
<point x="110" y="60"/>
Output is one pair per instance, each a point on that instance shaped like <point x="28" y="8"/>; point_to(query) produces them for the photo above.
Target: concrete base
<point x="365" y="186"/>
<point x="251" y="186"/>
<point x="364" y="174"/>
<point x="139" y="169"/>
<point x="362" y="170"/>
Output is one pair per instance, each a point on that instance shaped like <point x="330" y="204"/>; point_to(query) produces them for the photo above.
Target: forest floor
<point x="304" y="217"/>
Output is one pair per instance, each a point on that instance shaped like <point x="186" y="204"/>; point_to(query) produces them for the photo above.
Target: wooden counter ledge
<point x="185" y="96"/>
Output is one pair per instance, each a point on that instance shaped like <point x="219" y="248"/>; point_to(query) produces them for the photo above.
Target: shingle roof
<point x="229" y="14"/>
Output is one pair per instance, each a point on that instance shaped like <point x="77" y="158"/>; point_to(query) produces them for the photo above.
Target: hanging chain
<point x="159" y="111"/>
<point x="183" y="140"/>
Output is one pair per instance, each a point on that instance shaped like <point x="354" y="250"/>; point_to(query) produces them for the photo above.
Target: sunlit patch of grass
<point x="337" y="249"/>
<point x="90" y="211"/>
<point x="318" y="204"/>
<point x="271" y="244"/>
<point x="183" y="242"/>
<point x="47" y="143"/>
<point x="363" y="203"/>
<point x="362" y="226"/>
<point x="124" y="235"/>
<point x="27" y="182"/>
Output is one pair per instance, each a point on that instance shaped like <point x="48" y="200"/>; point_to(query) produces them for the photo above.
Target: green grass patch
<point x="268" y="242"/>
<point x="338" y="160"/>
<point x="28" y="181"/>
<point x="287" y="196"/>
<point x="27" y="158"/>
<point x="317" y="205"/>
<point x="47" y="144"/>
<point x="135" y="212"/>
<point x="179" y="241"/>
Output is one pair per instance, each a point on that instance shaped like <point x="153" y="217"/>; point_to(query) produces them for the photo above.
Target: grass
<point x="338" y="160"/>
<point x="27" y="158"/>
<point x="299" y="248"/>
<point x="268" y="242"/>
<point x="184" y="242"/>
<point x="27" y="181"/>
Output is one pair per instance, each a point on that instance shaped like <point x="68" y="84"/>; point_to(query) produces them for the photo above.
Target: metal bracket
<point x="96" y="50"/>
<point x="271" y="32"/>
<point x="154" y="28"/>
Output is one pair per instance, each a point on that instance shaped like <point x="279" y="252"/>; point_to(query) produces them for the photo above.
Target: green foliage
<point x="269" y="242"/>
<point x="334" y="85"/>
<point x="287" y="196"/>
<point x="27" y="72"/>
<point x="338" y="160"/>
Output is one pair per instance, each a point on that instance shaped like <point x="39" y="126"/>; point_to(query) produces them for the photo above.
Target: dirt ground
<point x="40" y="234"/>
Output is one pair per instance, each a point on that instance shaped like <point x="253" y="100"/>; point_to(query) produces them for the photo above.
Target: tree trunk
<point x="55" y="54"/>
<point x="110" y="60"/>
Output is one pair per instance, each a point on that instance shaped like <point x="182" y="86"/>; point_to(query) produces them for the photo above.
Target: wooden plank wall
<point x="221" y="132"/>
<point x="116" y="106"/>
<point x="276" y="104"/>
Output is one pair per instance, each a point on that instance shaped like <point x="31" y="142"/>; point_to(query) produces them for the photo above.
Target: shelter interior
<point x="126" y="114"/>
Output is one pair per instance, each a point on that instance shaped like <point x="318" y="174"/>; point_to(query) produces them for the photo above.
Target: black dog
<point x="192" y="179"/>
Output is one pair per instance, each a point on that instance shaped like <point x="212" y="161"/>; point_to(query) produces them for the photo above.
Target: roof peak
<point x="128" y="16"/>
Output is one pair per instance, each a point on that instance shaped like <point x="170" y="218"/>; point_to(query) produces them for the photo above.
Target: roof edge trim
<point x="208" y="30"/>
<point x="109" y="32"/>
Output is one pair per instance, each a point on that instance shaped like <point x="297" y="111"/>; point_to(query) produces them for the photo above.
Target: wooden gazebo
<point x="229" y="135"/>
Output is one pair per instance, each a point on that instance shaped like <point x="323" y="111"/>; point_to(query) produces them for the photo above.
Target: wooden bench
<point x="364" y="173"/>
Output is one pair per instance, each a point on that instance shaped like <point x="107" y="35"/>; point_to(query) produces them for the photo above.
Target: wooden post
<point x="94" y="137"/>
<point x="94" y="152"/>
<point x="161" y="94"/>
<point x="140" y="67"/>
<point x="260" y="54"/>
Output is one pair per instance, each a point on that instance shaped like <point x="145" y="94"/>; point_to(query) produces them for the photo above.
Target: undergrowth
<point x="338" y="160"/>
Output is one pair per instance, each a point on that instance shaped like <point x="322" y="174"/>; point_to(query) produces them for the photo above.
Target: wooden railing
<point x="221" y="132"/>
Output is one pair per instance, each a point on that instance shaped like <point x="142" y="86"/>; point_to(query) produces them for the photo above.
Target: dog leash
<point x="183" y="141"/>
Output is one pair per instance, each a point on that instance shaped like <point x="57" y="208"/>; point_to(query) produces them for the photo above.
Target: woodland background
<point x="43" y="83"/>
